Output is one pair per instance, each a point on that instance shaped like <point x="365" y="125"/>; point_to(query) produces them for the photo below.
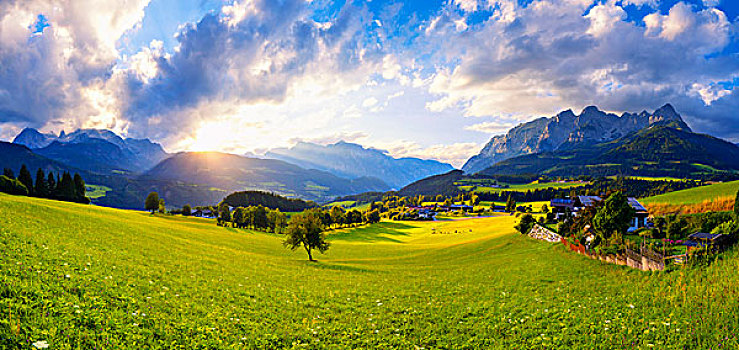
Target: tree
<point x="65" y="188"/>
<point x="736" y="204"/>
<point x="79" y="189"/>
<point x="12" y="186"/>
<point x="337" y="215"/>
<point x="614" y="217"/>
<point x="277" y="220"/>
<point x="526" y="223"/>
<point x="373" y="216"/>
<point x="224" y="214"/>
<point x="510" y="204"/>
<point x="24" y="176"/>
<point x="305" y="230"/>
<point x="51" y="184"/>
<point x="475" y="200"/>
<point x="162" y="208"/>
<point x="152" y="202"/>
<point x="186" y="210"/>
<point x="545" y="209"/>
<point x="239" y="217"/>
<point x="40" y="188"/>
<point x="9" y="173"/>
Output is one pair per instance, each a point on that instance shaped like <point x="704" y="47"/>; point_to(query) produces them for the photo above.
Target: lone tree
<point x="510" y="204"/>
<point x="305" y="230"/>
<point x="186" y="210"/>
<point x="614" y="217"/>
<point x="526" y="223"/>
<point x="152" y="202"/>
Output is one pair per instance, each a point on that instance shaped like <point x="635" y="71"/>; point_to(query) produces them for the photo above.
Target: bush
<point x="12" y="186"/>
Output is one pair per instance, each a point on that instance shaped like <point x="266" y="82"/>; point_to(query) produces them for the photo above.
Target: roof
<point x="589" y="201"/>
<point x="636" y="205"/>
<point x="559" y="202"/>
<point x="706" y="236"/>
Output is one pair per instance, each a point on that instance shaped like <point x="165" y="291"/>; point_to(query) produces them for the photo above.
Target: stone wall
<point x="544" y="234"/>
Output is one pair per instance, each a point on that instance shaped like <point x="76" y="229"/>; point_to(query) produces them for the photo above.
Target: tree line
<point x="67" y="187"/>
<point x="630" y="187"/>
<point x="270" y="200"/>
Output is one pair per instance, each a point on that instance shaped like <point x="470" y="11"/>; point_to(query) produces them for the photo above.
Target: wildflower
<point x="41" y="344"/>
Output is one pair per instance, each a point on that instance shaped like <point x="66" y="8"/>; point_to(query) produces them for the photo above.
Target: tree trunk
<point x="310" y="256"/>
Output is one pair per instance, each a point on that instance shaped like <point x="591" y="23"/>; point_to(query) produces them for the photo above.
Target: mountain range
<point x="665" y="148"/>
<point x="351" y="160"/>
<point x="95" y="150"/>
<point x="567" y="130"/>
<point x="127" y="169"/>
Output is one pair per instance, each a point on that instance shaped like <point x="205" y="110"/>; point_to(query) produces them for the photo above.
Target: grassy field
<point x="718" y="197"/>
<point x="697" y="194"/>
<point x="85" y="277"/>
<point x="520" y="187"/>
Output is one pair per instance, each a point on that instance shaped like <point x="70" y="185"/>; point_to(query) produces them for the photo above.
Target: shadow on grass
<point x="336" y="267"/>
<point x="372" y="233"/>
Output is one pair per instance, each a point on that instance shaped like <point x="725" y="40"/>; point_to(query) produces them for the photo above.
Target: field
<point x="717" y="197"/>
<point x="469" y="184"/>
<point x="86" y="277"/>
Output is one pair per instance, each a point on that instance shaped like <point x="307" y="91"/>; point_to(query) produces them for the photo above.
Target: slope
<point x="83" y="276"/>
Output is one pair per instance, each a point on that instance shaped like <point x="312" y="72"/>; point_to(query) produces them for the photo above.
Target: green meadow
<point x="85" y="277"/>
<point x="697" y="194"/>
<point x="536" y="185"/>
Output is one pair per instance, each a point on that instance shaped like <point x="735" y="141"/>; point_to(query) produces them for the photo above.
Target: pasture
<point x="77" y="276"/>
<point x="716" y="197"/>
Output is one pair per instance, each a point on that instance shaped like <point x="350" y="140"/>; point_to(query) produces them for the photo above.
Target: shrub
<point x="526" y="223"/>
<point x="12" y="186"/>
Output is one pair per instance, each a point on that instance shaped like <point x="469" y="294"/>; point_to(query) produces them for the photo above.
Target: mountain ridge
<point x="352" y="160"/>
<point x="567" y="130"/>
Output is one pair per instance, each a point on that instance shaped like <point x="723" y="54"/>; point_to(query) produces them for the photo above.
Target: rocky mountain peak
<point x="567" y="130"/>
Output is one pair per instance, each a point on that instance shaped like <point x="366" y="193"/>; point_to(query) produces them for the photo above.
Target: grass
<point x="86" y="277"/>
<point x="717" y="197"/>
<point x="521" y="187"/>
<point x="96" y="191"/>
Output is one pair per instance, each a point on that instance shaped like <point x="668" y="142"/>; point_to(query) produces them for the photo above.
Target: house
<point x="462" y="207"/>
<point x="562" y="207"/>
<point x="712" y="241"/>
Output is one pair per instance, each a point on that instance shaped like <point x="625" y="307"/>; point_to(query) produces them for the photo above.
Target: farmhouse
<point x="711" y="241"/>
<point x="564" y="207"/>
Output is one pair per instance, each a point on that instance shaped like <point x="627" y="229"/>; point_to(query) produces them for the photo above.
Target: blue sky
<point x="432" y="79"/>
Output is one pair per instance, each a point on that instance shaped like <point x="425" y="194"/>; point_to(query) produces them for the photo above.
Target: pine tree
<point x="25" y="178"/>
<point x="50" y="185"/>
<point x="66" y="190"/>
<point x="40" y="189"/>
<point x="79" y="189"/>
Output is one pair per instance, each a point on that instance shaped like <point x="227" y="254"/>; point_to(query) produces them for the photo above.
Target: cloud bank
<point x="255" y="74"/>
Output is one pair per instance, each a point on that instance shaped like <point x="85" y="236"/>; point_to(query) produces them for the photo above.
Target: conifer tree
<point x="50" y="185"/>
<point x="9" y="173"/>
<point x="24" y="176"/>
<point x="40" y="189"/>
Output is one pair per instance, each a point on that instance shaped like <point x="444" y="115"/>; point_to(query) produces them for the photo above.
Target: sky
<point x="430" y="79"/>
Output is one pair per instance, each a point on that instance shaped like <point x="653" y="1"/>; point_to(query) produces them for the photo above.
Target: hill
<point x="444" y="184"/>
<point x="161" y="282"/>
<point x="566" y="131"/>
<point x="716" y="197"/>
<point x="352" y="160"/>
<point x="660" y="150"/>
<point x="233" y="173"/>
<point x="268" y="200"/>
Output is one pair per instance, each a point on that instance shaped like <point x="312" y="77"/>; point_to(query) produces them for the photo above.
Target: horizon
<point x="433" y="80"/>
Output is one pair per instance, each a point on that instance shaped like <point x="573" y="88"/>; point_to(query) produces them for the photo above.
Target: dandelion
<point x="41" y="344"/>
